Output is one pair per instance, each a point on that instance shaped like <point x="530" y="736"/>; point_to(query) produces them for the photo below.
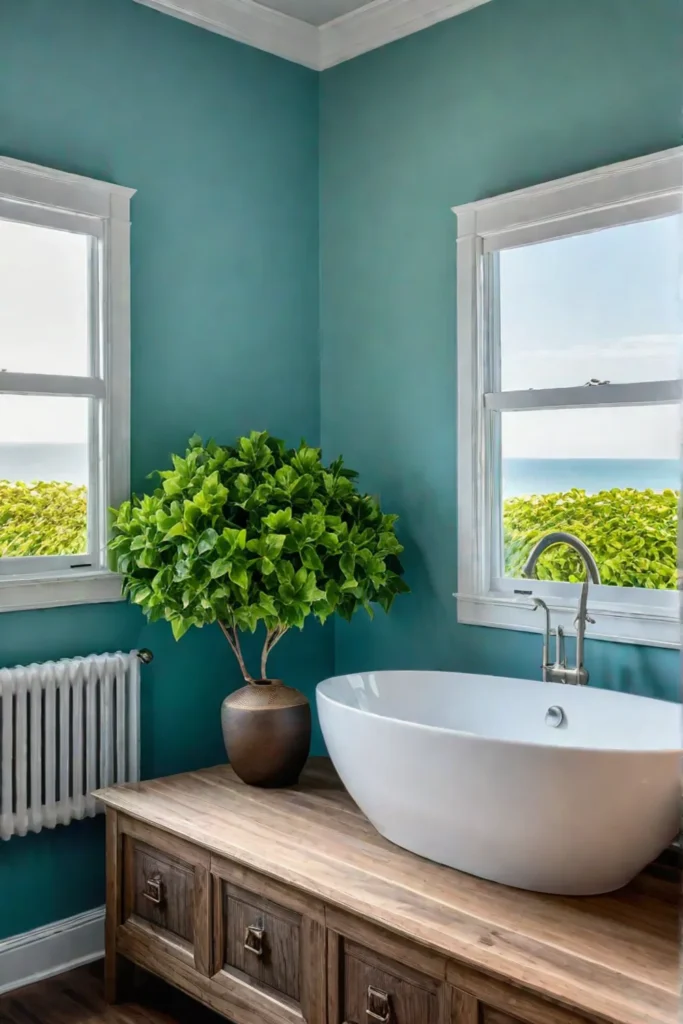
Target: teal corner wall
<point x="221" y="142"/>
<point x="512" y="93"/>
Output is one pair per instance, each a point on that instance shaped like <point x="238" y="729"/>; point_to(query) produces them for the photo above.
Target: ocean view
<point x="68" y="462"/>
<point x="28" y="462"/>
<point x="545" y="476"/>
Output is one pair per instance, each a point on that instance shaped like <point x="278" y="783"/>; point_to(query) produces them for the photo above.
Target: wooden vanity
<point x="287" y="907"/>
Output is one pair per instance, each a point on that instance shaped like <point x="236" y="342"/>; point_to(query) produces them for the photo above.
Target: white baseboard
<point x="51" y="950"/>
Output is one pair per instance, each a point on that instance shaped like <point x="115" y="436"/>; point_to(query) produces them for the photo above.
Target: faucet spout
<point x="559" y="672"/>
<point x="560" y="537"/>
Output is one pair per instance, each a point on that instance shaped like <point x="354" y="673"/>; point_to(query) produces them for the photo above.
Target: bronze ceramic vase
<point x="267" y="732"/>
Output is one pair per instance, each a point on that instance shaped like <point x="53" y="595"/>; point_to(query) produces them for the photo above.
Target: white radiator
<point x="66" y="728"/>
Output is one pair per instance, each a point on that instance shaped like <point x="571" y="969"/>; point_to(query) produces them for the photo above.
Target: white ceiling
<point x="315" y="33"/>
<point x="315" y="12"/>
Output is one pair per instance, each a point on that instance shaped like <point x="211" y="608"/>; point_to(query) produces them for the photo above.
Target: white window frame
<point x="622" y="193"/>
<point x="32" y="194"/>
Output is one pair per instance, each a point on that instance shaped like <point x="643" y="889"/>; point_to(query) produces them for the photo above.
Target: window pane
<point x="44" y="284"/>
<point x="43" y="475"/>
<point x="610" y="476"/>
<point x="602" y="306"/>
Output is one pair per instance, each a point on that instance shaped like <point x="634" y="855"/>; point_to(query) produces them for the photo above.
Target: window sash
<point x="563" y="594"/>
<point x="53" y="384"/>
<point x="93" y="388"/>
<point x="32" y="565"/>
<point x="658" y="392"/>
<point x="94" y="557"/>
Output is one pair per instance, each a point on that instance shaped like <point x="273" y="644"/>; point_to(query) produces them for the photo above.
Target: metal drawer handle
<point x="154" y="890"/>
<point x="253" y="939"/>
<point x="379" y="1007"/>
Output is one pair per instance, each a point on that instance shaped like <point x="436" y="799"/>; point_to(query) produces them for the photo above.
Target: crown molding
<point x="251" y="23"/>
<point x="367" y="28"/>
<point x="382" y="22"/>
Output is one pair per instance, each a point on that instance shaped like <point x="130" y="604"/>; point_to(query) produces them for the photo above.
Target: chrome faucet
<point x="559" y="671"/>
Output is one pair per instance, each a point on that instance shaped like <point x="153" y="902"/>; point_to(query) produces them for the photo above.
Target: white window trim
<point x="621" y="193"/>
<point x="40" y="195"/>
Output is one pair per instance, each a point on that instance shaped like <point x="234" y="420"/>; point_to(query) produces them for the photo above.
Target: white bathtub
<point x="464" y="770"/>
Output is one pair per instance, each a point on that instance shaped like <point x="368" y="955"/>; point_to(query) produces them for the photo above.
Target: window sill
<point x="58" y="590"/>
<point x="656" y="628"/>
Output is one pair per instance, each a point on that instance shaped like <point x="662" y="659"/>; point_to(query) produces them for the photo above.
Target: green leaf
<point x="248" y="617"/>
<point x="172" y="486"/>
<point x="180" y="626"/>
<point x="310" y="559"/>
<point x="278" y="520"/>
<point x="148" y="558"/>
<point x="347" y="564"/>
<point x="310" y="591"/>
<point x="183" y="569"/>
<point x="220" y="568"/>
<point x="273" y="545"/>
<point x="286" y="477"/>
<point x="322" y="610"/>
<point x="287" y="593"/>
<point x="239" y="576"/>
<point x="179" y="530"/>
<point x="191" y="512"/>
<point x="235" y="538"/>
<point x="329" y="540"/>
<point x="207" y="541"/>
<point x="285" y="572"/>
<point x="300" y="579"/>
<point x="268" y="605"/>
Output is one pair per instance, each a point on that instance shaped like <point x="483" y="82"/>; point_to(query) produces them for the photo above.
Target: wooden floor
<point x="78" y="998"/>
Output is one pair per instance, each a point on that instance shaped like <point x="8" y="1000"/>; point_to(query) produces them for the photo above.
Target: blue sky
<point x="43" y="328"/>
<point x="600" y="305"/>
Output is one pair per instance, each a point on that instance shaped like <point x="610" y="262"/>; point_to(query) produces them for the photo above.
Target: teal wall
<point x="221" y="142"/>
<point x="512" y="93"/>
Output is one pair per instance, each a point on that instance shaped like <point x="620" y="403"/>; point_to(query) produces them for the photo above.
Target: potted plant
<point x="249" y="534"/>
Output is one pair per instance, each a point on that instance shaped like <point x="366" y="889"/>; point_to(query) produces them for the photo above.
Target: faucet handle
<point x="545" y="652"/>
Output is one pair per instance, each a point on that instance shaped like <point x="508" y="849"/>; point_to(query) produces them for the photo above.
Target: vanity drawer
<point x="269" y="947"/>
<point x="374" y="990"/>
<point x="162" y="889"/>
<point x="262" y="940"/>
<point x="165" y="906"/>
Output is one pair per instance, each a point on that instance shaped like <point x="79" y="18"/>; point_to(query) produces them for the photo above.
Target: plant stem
<point x="231" y="634"/>
<point x="272" y="637"/>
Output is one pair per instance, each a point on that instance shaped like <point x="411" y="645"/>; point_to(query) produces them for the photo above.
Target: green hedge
<point x="631" y="533"/>
<point x="42" y="519"/>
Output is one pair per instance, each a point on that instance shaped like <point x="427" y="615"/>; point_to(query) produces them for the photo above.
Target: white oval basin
<point x="464" y="770"/>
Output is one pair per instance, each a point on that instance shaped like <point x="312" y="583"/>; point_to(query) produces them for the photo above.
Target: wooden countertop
<point x="613" y="958"/>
